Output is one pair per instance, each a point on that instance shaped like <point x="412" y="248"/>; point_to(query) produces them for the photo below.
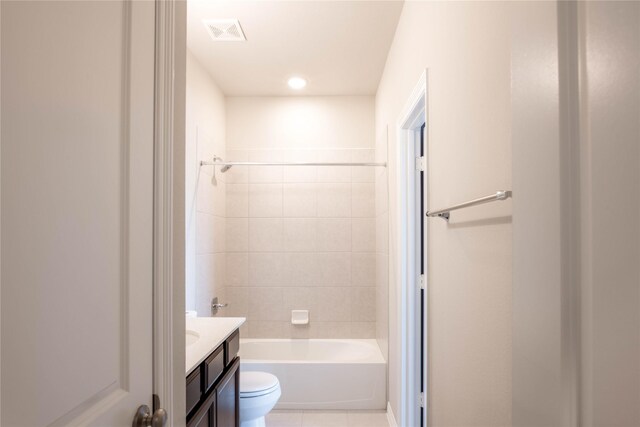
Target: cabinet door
<point x="228" y="398"/>
<point x="202" y="419"/>
<point x="205" y="415"/>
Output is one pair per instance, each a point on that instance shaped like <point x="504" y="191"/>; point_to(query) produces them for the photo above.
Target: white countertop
<point x="212" y="332"/>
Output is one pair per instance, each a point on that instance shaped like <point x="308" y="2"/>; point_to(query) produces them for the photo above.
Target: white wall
<point x="537" y="229"/>
<point x="300" y="122"/>
<point x="205" y="199"/>
<point x="610" y="213"/>
<point x="466" y="47"/>
<point x="576" y="157"/>
<point x="301" y="237"/>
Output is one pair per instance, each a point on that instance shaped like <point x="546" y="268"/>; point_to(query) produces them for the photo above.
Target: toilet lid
<point x="254" y="383"/>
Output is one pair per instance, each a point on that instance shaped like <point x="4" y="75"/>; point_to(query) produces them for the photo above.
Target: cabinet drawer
<point x="194" y="389"/>
<point x="232" y="345"/>
<point x="213" y="367"/>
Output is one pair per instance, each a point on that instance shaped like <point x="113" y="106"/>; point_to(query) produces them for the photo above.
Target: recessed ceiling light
<point x="297" y="83"/>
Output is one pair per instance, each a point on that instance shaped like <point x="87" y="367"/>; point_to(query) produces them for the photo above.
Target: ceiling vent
<point x="224" y="30"/>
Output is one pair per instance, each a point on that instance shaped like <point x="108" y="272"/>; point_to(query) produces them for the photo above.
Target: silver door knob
<point x="144" y="417"/>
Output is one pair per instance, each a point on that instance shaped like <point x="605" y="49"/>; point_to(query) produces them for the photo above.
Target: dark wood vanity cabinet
<point x="228" y="398"/>
<point x="213" y="388"/>
<point x="205" y="416"/>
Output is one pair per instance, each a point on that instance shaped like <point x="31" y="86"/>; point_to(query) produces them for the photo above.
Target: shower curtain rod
<point x="229" y="164"/>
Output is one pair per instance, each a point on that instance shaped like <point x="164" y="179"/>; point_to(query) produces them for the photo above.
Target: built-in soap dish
<point x="299" y="317"/>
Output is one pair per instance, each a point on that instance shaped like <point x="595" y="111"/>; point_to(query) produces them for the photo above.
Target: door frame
<point x="413" y="115"/>
<point x="168" y="210"/>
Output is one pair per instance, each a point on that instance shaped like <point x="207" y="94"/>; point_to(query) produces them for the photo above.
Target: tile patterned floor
<point x="285" y="418"/>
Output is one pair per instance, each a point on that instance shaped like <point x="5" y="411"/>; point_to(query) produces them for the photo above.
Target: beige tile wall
<point x="210" y="229"/>
<point x="382" y="246"/>
<point x="205" y="206"/>
<point x="302" y="238"/>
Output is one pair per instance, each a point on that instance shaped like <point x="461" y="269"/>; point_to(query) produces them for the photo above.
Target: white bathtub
<point x="320" y="373"/>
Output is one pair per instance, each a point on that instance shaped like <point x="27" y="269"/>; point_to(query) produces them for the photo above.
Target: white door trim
<point x="168" y="292"/>
<point x="412" y="117"/>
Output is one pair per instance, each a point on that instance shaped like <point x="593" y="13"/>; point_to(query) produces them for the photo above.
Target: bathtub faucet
<point x="215" y="306"/>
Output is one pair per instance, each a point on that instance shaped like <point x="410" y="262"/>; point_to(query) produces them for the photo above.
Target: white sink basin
<point x="191" y="337"/>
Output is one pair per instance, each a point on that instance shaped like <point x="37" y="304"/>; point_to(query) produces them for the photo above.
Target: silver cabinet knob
<point x="144" y="417"/>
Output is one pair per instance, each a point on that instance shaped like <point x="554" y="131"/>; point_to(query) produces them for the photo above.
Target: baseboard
<point x="390" y="417"/>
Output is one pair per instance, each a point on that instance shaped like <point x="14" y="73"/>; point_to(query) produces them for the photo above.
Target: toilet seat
<point x="255" y="384"/>
<point x="259" y="393"/>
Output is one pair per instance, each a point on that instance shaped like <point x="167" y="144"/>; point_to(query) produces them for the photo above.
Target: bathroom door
<point x="77" y="99"/>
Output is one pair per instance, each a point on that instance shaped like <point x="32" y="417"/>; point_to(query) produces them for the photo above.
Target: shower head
<point x="224" y="168"/>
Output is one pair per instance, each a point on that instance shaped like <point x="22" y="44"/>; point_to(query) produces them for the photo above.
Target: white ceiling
<point x="340" y="47"/>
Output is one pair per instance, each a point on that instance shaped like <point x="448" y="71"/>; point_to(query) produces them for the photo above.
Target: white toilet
<point x="259" y="393"/>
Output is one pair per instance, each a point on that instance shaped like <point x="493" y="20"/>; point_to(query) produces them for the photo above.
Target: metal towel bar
<point x="444" y="213"/>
